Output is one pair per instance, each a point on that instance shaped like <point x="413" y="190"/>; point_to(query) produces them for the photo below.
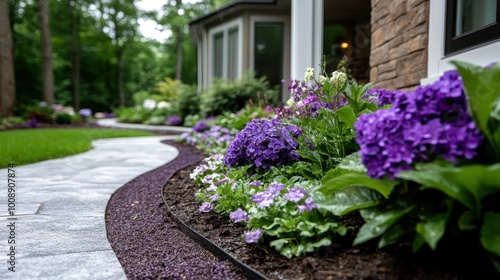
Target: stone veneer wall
<point x="398" y="57"/>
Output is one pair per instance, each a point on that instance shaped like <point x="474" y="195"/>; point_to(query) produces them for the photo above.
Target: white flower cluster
<point x="338" y="78"/>
<point x="309" y="75"/>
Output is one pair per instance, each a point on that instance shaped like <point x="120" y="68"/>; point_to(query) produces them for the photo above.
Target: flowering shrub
<point x="264" y="143"/>
<point x="200" y="126"/>
<point x="212" y="140"/>
<point x="174" y="120"/>
<point x="432" y="121"/>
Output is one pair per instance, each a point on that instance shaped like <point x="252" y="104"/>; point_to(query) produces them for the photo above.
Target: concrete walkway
<point x="114" y="123"/>
<point x="60" y="231"/>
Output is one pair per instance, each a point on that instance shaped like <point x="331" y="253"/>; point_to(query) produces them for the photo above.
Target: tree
<point x="7" y="79"/>
<point x="75" y="52"/>
<point x="122" y="24"/>
<point x="47" y="73"/>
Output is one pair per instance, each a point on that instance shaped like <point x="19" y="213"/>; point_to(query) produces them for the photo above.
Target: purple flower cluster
<point x="85" y="113"/>
<point x="295" y="194"/>
<point x="216" y="136"/>
<point x="174" y="120"/>
<point x="382" y="96"/>
<point x="200" y="126"/>
<point x="432" y="121"/>
<point x="266" y="198"/>
<point x="264" y="143"/>
<point x="308" y="206"/>
<point x="239" y="216"/>
<point x="206" y="207"/>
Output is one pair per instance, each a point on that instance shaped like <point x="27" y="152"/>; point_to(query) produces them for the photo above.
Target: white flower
<point x="290" y="102"/>
<point x="149" y="104"/>
<point x="322" y="79"/>
<point x="309" y="75"/>
<point x="163" y="105"/>
<point x="338" y="78"/>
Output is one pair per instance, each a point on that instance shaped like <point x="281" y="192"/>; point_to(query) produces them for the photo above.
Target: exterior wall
<point x="399" y="43"/>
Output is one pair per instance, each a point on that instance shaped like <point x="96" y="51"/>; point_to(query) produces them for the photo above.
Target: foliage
<point x="226" y="96"/>
<point x="167" y="89"/>
<point x="63" y="117"/>
<point x="11" y="122"/>
<point x="187" y="102"/>
<point x="33" y="145"/>
<point x="240" y="119"/>
<point x="212" y="140"/>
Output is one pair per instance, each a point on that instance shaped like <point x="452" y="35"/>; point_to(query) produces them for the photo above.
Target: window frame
<point x="225" y="28"/>
<point x="470" y="39"/>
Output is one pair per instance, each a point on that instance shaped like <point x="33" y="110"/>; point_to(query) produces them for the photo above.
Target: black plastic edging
<point x="249" y="272"/>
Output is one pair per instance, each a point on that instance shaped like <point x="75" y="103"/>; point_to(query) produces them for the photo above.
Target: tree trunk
<point x="119" y="55"/>
<point x="47" y="74"/>
<point x="75" y="55"/>
<point x="7" y="80"/>
<point x="178" y="75"/>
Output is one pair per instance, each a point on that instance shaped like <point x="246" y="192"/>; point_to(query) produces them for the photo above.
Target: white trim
<point x="437" y="62"/>
<point x="285" y="20"/>
<point x="224" y="28"/>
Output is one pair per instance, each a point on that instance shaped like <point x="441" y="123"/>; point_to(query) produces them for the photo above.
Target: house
<point x="396" y="44"/>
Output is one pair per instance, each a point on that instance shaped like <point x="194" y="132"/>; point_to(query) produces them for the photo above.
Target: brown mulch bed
<point x="338" y="261"/>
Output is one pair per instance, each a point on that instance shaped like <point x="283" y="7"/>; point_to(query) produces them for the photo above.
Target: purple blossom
<point x="32" y="123"/>
<point x="218" y="183"/>
<point x="433" y="121"/>
<point x="264" y="143"/>
<point x="253" y="236"/>
<point x="215" y="197"/>
<point x="85" y="113"/>
<point x="256" y="183"/>
<point x="239" y="216"/>
<point x="382" y="96"/>
<point x="200" y="126"/>
<point x="206" y="207"/>
<point x="308" y="206"/>
<point x="173" y="120"/>
<point x="295" y="194"/>
<point x="266" y="198"/>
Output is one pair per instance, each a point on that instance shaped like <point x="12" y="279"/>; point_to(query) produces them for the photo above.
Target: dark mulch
<point x="147" y="242"/>
<point x="339" y="261"/>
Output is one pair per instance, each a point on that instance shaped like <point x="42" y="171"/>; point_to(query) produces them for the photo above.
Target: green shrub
<point x="225" y="96"/>
<point x="191" y="120"/>
<point x="41" y="114"/>
<point x="63" y="118"/>
<point x="188" y="101"/>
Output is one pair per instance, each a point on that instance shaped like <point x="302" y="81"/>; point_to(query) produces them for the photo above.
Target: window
<point x="268" y="51"/>
<point x="224" y="51"/>
<point x="470" y="23"/>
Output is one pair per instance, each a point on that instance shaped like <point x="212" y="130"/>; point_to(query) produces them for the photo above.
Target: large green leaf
<point x="378" y="223"/>
<point x="490" y="232"/>
<point x="352" y="162"/>
<point x="432" y="229"/>
<point x="482" y="86"/>
<point x="392" y="235"/>
<point x="344" y="201"/>
<point x="346" y="114"/>
<point x="468" y="184"/>
<point x="355" y="179"/>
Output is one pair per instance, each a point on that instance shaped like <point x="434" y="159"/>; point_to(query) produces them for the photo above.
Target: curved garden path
<point x="60" y="230"/>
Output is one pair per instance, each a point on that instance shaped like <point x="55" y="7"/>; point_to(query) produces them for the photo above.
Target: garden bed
<point x="338" y="261"/>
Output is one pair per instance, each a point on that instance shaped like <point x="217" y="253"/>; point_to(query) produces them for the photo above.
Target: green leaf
<point x="490" y="232"/>
<point x="468" y="184"/>
<point x="432" y="229"/>
<point x="352" y="162"/>
<point x="482" y="86"/>
<point x="346" y="114"/>
<point x="378" y="224"/>
<point x="279" y="243"/>
<point x="347" y="200"/>
<point x="392" y="235"/>
<point x="467" y="221"/>
<point x="418" y="242"/>
<point x="333" y="182"/>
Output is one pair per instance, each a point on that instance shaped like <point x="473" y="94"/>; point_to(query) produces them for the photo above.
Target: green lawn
<point x="33" y="145"/>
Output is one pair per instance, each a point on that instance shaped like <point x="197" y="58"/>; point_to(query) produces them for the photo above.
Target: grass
<point x="34" y="145"/>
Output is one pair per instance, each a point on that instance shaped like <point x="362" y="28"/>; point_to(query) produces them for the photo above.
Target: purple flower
<point x="381" y="95"/>
<point x="206" y="207"/>
<point x="174" y="120"/>
<point x="253" y="236"/>
<point x="85" y="113"/>
<point x="200" y="126"/>
<point x="433" y="121"/>
<point x="215" y="197"/>
<point x="295" y="194"/>
<point x="266" y="198"/>
<point x="308" y="206"/>
<point x="32" y="123"/>
<point x="256" y="184"/>
<point x="239" y="216"/>
<point x="264" y="143"/>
